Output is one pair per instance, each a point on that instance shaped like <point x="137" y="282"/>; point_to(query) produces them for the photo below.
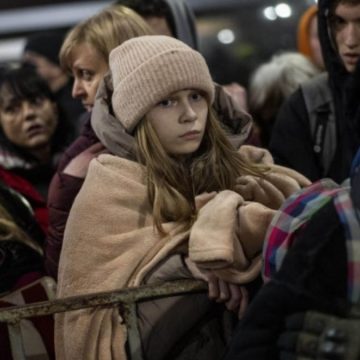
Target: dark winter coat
<point x="313" y="276"/>
<point x="62" y="192"/>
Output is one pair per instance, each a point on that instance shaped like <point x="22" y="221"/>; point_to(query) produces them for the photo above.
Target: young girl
<point x="166" y="204"/>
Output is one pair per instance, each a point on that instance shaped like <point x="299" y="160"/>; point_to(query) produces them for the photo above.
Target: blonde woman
<point x="175" y="199"/>
<point x="84" y="54"/>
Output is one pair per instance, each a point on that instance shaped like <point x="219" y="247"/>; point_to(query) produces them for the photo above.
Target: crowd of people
<point x="122" y="163"/>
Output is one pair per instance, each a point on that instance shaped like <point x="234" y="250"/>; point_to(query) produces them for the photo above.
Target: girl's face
<point x="88" y="68"/>
<point x="28" y="123"/>
<point x="179" y="121"/>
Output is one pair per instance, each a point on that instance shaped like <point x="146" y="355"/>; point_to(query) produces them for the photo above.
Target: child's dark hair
<point x="24" y="83"/>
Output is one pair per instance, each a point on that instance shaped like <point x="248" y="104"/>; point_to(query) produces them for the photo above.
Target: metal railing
<point x="127" y="298"/>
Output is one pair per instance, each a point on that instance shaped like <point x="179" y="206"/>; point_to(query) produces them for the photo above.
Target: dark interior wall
<point x="256" y="38"/>
<point x="14" y="4"/>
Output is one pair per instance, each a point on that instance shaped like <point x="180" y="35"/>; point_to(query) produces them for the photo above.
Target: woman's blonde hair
<point x="9" y="230"/>
<point x="104" y="31"/>
<point x="173" y="184"/>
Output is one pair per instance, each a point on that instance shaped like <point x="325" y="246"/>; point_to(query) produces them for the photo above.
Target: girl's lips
<point x="190" y="135"/>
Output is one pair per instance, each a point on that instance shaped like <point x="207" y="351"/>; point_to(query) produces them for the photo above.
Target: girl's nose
<point x="189" y="114"/>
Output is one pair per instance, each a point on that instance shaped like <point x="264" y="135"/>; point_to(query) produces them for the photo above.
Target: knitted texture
<point x="147" y="69"/>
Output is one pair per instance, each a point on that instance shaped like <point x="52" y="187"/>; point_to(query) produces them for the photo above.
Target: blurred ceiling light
<point x="11" y="50"/>
<point x="226" y="36"/>
<point x="283" y="10"/>
<point x="270" y="13"/>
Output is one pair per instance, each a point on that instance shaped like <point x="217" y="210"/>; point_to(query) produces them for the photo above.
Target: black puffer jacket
<point x="292" y="142"/>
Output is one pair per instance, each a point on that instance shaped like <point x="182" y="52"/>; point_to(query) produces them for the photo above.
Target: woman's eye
<point x="11" y="109"/>
<point x="38" y="101"/>
<point x="86" y="75"/>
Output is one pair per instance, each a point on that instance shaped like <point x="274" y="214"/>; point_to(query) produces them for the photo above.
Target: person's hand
<point x="235" y="297"/>
<point x="78" y="166"/>
<point x="314" y="335"/>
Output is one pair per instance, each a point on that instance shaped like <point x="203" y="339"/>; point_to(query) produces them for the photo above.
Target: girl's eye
<point x="166" y="103"/>
<point x="196" y="96"/>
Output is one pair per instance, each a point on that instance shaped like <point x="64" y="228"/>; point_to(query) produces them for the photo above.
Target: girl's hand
<point x="234" y="296"/>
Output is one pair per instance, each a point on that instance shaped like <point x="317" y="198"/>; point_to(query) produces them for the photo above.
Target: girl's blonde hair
<point x="9" y="230"/>
<point x="173" y="184"/>
<point x="104" y="31"/>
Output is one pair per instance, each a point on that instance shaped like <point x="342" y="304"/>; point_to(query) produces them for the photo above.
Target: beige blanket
<point x="110" y="243"/>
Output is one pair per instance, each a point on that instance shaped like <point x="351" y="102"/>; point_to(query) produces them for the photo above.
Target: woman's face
<point x="179" y="121"/>
<point x="88" y="68"/>
<point x="29" y="124"/>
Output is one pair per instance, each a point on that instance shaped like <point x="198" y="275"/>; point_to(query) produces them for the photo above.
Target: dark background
<point x="256" y="38"/>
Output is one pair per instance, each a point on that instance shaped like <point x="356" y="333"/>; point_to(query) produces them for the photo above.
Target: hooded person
<point x="317" y="128"/>
<point x="167" y="17"/>
<point x="156" y="206"/>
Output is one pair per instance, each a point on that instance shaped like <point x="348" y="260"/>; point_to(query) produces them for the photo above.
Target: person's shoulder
<point x="316" y="91"/>
<point x="292" y="111"/>
<point x="116" y="166"/>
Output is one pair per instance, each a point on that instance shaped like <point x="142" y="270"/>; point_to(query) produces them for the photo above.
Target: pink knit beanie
<point x="147" y="69"/>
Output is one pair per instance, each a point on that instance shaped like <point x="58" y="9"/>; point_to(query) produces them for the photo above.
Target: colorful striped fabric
<point x="292" y="215"/>
<point x="349" y="220"/>
<point x="297" y="211"/>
